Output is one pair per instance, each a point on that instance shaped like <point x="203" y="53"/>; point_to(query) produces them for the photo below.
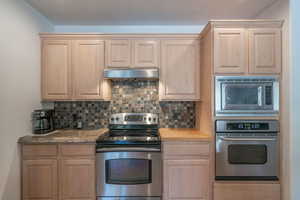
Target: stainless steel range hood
<point x="150" y="73"/>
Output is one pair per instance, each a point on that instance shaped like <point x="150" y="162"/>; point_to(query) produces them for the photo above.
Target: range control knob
<point x="117" y="119"/>
<point x="112" y="119"/>
<point x="149" y="119"/>
<point x="154" y="119"/>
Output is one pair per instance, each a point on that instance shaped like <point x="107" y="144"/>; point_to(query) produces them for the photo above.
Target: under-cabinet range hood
<point x="128" y="73"/>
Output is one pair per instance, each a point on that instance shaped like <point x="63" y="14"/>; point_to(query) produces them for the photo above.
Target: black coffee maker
<point x="42" y="121"/>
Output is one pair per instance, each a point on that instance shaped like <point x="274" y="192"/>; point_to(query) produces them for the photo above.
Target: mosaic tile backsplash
<point x="127" y="96"/>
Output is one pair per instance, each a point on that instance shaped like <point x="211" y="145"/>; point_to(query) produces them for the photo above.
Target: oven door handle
<point x="247" y="139"/>
<point x="129" y="149"/>
<point x="260" y="96"/>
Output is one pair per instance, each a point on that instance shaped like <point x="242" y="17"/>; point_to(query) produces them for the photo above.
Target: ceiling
<point x="146" y="12"/>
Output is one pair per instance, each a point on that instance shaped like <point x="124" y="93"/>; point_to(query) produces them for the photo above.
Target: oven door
<point x="251" y="158"/>
<point x="129" y="173"/>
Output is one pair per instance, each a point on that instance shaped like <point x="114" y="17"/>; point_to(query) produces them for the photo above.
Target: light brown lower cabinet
<point x="186" y="179"/>
<point x="40" y="179"/>
<point x="61" y="175"/>
<point x="77" y="179"/>
<point x="246" y="191"/>
<point x="187" y="172"/>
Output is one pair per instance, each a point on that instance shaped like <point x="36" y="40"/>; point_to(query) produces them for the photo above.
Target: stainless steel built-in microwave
<point x="246" y="95"/>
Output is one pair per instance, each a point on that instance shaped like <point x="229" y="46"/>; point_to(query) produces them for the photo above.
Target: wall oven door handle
<point x="247" y="139"/>
<point x="130" y="149"/>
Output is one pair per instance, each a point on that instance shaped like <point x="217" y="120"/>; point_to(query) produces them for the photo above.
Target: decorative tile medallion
<point x="127" y="96"/>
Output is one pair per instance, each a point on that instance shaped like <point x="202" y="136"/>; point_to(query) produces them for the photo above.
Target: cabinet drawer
<point x="39" y="150"/>
<point x="229" y="191"/>
<point x="77" y="150"/>
<point x="185" y="149"/>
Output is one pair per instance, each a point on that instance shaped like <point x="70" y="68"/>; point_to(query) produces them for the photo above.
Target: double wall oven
<point x="247" y="149"/>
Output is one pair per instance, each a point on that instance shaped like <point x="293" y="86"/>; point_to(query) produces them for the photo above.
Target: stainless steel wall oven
<point x="247" y="150"/>
<point x="246" y="95"/>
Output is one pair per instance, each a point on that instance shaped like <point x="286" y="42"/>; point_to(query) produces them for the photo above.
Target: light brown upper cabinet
<point x="118" y="53"/>
<point x="230" y="51"/>
<point x="264" y="51"/>
<point x="146" y="53"/>
<point x="73" y="70"/>
<point x="56" y="69"/>
<point x="180" y="70"/>
<point x="87" y="69"/>
<point x="124" y="53"/>
<point x="245" y="47"/>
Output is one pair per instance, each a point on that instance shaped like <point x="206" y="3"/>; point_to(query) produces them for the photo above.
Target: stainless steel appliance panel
<point x="127" y="189"/>
<point x="221" y="125"/>
<point x="147" y="73"/>
<point x="134" y="119"/>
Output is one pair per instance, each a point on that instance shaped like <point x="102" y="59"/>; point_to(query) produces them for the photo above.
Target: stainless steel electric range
<point x="129" y="163"/>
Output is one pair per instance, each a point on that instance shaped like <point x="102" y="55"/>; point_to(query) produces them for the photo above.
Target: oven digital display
<point x="133" y="118"/>
<point x="247" y="126"/>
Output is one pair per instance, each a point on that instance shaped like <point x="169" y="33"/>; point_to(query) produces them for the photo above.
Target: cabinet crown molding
<point x="255" y="23"/>
<point x="102" y="36"/>
<point x="247" y="23"/>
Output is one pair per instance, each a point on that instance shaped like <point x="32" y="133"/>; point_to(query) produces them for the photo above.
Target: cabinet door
<point x="146" y="53"/>
<point x="186" y="179"/>
<point x="77" y="179"/>
<point x="56" y="70"/>
<point x="230" y="51"/>
<point x="39" y="179"/>
<point x="88" y="65"/>
<point x="118" y="53"/>
<point x="180" y="70"/>
<point x="265" y="51"/>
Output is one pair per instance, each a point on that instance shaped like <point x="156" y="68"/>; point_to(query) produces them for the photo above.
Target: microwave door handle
<point x="259" y="95"/>
<point x="247" y="139"/>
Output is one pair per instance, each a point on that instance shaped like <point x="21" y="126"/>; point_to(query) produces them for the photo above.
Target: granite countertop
<point x="90" y="136"/>
<point x="183" y="134"/>
<point x="65" y="136"/>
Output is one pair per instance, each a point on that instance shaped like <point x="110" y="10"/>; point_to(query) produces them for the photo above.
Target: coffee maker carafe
<point x="42" y="121"/>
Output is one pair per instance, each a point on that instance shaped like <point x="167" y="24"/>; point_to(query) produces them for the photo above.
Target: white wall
<point x="19" y="85"/>
<point x="291" y="89"/>
<point x="280" y="10"/>
<point x="129" y="29"/>
<point x="295" y="99"/>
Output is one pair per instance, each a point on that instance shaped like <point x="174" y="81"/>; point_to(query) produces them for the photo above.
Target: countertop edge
<point x="35" y="139"/>
<point x="166" y="134"/>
